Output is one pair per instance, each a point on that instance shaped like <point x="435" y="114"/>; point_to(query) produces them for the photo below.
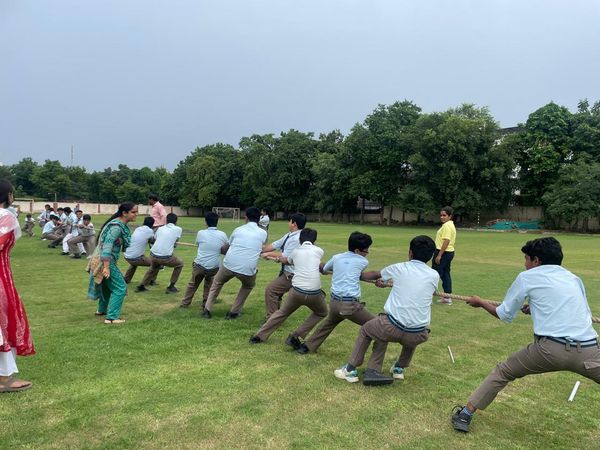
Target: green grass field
<point x="169" y="379"/>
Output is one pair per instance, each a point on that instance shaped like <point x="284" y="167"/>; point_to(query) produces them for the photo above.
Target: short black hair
<point x="547" y="249"/>
<point x="308" y="234"/>
<point x="87" y="217"/>
<point x="253" y="214"/>
<point x="359" y="241"/>
<point x="448" y="210"/>
<point x="67" y="209"/>
<point x="149" y="221"/>
<point x="79" y="211"/>
<point x="54" y="217"/>
<point x="299" y="219"/>
<point x="28" y="215"/>
<point x="422" y="248"/>
<point x="171" y="218"/>
<point x="211" y="219"/>
<point x="152" y="197"/>
<point x="60" y="208"/>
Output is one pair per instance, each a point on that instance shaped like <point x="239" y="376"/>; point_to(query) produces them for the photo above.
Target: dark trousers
<point x="382" y="330"/>
<point x="170" y="261"/>
<point x="275" y="291"/>
<point x="144" y="261"/>
<point x="223" y="276"/>
<point x="199" y="273"/>
<point x="443" y="268"/>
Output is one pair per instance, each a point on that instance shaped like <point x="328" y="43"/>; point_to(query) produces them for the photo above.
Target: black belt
<point x="340" y="298"/>
<point x="401" y="326"/>
<point x="306" y="292"/>
<point x="160" y="257"/>
<point x="570" y="342"/>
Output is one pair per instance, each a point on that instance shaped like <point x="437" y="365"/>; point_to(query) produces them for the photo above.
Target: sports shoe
<point x="171" y="290"/>
<point x="445" y="300"/>
<point x="231" y="316"/>
<point x="206" y="314"/>
<point x="255" y="340"/>
<point x="397" y="372"/>
<point x="293" y="342"/>
<point x="303" y="349"/>
<point x="373" y="378"/>
<point x="351" y="376"/>
<point x="460" y="420"/>
<point x="141" y="288"/>
<point x="153" y="283"/>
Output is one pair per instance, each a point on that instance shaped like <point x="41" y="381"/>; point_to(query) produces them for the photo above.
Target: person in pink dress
<point x="15" y="337"/>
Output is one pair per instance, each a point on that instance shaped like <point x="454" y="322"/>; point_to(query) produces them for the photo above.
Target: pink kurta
<point x="13" y="320"/>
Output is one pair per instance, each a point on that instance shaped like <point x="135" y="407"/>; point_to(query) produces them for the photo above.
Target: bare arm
<point x="445" y="244"/>
<point x="477" y="302"/>
<point x="370" y="276"/>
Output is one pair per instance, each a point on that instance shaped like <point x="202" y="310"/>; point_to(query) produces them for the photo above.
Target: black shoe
<point x="293" y="342"/>
<point x="76" y="256"/>
<point x="171" y="290"/>
<point x="51" y="246"/>
<point x="460" y="420"/>
<point x="64" y="253"/>
<point x="206" y="314"/>
<point x="255" y="340"/>
<point x="303" y="349"/>
<point x="231" y="316"/>
<point x="141" y="288"/>
<point x="184" y="306"/>
<point x="374" y="378"/>
<point x="153" y="283"/>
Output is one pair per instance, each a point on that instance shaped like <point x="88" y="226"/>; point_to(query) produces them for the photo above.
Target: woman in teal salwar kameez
<point x="106" y="280"/>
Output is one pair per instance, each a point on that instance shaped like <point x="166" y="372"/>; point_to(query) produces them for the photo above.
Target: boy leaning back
<point x="407" y="313"/>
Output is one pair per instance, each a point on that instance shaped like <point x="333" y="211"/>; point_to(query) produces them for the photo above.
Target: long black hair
<point x="123" y="208"/>
<point x="6" y="188"/>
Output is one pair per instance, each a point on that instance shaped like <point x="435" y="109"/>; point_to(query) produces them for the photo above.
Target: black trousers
<point x="443" y="268"/>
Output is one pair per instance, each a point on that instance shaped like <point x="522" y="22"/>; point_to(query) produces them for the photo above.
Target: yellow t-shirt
<point x="446" y="231"/>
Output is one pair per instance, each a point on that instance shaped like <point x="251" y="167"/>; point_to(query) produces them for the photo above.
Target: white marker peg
<point x="574" y="391"/>
<point x="451" y="355"/>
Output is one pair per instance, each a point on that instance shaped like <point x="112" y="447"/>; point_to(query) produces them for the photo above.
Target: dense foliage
<point x="398" y="156"/>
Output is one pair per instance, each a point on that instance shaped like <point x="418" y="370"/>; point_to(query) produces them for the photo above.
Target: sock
<point x="467" y="412"/>
<point x="350" y="367"/>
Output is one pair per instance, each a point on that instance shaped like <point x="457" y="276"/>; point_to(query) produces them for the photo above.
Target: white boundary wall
<point x="28" y="206"/>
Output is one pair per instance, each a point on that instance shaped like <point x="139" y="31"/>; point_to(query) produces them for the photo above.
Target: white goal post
<point x="226" y="212"/>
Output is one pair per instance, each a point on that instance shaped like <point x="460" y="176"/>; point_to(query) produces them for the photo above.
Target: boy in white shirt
<point x="161" y="254"/>
<point x="305" y="291"/>
<point x="28" y="225"/>
<point x="407" y="313"/>
<point x="134" y="254"/>
<point x="85" y="241"/>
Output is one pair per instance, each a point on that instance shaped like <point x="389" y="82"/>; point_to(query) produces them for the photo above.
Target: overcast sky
<point x="144" y="82"/>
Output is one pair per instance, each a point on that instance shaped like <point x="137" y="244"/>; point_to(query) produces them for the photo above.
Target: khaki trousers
<point x="89" y="243"/>
<point x="275" y="291"/>
<point x="338" y="312"/>
<point x="199" y="273"/>
<point x="541" y="356"/>
<point x="222" y="277"/>
<point x="382" y="331"/>
<point x="295" y="300"/>
<point x="143" y="261"/>
<point x="172" y="261"/>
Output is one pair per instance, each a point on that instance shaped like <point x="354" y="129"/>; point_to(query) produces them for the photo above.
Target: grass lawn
<point x="169" y="379"/>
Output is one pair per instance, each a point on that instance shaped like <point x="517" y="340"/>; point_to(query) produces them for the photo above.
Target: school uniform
<point x="134" y="254"/>
<point x="282" y="284"/>
<point x="306" y="291"/>
<point x="564" y="338"/>
<point x="407" y="313"/>
<point x="51" y="232"/>
<point x="245" y="246"/>
<point x="345" y="301"/>
<point x="73" y="222"/>
<point x="206" y="264"/>
<point x="85" y="241"/>
<point x="161" y="253"/>
<point x="28" y="226"/>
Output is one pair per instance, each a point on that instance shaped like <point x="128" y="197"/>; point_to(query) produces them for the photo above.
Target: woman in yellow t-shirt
<point x="444" y="253"/>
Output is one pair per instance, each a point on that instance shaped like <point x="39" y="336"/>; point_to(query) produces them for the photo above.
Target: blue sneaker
<point x="351" y="376"/>
<point x="397" y="372"/>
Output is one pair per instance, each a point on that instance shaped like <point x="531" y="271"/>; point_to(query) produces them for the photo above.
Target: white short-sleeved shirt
<point x="306" y="259"/>
<point x="48" y="227"/>
<point x="289" y="245"/>
<point x="209" y="243"/>
<point x="347" y="268"/>
<point x="139" y="240"/>
<point x="557" y="302"/>
<point x="245" y="246"/>
<point x="166" y="237"/>
<point x="263" y="222"/>
<point x="75" y="228"/>
<point x="409" y="301"/>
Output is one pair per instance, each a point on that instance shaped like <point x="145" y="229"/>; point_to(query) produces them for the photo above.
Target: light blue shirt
<point x="48" y="227"/>
<point x="557" y="302"/>
<point x="209" y="243"/>
<point x="409" y="301"/>
<point x="245" y="246"/>
<point x="347" y="268"/>
<point x="138" y="243"/>
<point x="166" y="237"/>
<point x="292" y="243"/>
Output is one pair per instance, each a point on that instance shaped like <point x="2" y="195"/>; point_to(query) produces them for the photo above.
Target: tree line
<point x="398" y="156"/>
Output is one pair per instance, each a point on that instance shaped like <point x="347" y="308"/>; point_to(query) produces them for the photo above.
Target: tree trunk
<point x="381" y="214"/>
<point x="390" y="215"/>
<point x="362" y="211"/>
<point x="403" y="217"/>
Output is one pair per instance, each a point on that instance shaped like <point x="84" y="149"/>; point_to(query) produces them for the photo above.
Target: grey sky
<point x="143" y="82"/>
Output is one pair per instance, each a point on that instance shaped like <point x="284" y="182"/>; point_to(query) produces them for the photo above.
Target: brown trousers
<point x="295" y="300"/>
<point x="199" y="273"/>
<point x="55" y="237"/>
<point x="541" y="356"/>
<point x="338" y="312"/>
<point x="382" y="331"/>
<point x="89" y="243"/>
<point x="275" y="290"/>
<point x="28" y="228"/>
<point x="143" y="261"/>
<point x="222" y="277"/>
<point x="172" y="261"/>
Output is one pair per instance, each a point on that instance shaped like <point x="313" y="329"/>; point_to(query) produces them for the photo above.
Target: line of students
<point x="72" y="230"/>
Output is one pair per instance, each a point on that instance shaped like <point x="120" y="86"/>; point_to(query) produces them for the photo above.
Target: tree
<point x="23" y="172"/>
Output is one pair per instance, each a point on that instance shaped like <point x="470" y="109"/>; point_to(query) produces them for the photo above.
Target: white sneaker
<point x="343" y="374"/>
<point x="397" y="372"/>
<point x="445" y="301"/>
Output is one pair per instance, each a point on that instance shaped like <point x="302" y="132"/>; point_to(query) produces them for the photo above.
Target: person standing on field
<point x="563" y="338"/>
<point x="444" y="251"/>
<point x="158" y="212"/>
